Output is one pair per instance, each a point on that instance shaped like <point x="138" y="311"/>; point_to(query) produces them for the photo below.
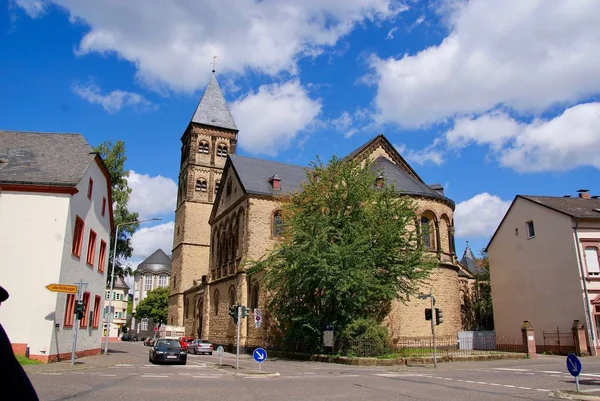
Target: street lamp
<point x="112" y="275"/>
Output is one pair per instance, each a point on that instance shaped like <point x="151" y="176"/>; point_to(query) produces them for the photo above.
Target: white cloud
<point x="351" y="123"/>
<point x="565" y="142"/>
<point x="151" y="196"/>
<point x="113" y="101"/>
<point x="274" y="116"/>
<point x="146" y="240"/>
<point x="173" y="42"/>
<point x="390" y="34"/>
<point x="423" y="156"/>
<point x="479" y="216"/>
<point x="524" y="55"/>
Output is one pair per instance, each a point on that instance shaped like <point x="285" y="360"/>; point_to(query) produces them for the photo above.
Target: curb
<point x="567" y="395"/>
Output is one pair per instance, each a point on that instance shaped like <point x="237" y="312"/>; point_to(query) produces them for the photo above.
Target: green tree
<point x="154" y="306"/>
<point x="114" y="159"/>
<point x="348" y="250"/>
<point x="482" y="293"/>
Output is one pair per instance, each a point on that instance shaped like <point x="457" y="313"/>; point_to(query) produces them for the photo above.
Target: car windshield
<point x="167" y="343"/>
<point x="204" y="341"/>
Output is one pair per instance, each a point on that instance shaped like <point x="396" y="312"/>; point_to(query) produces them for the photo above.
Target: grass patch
<point x="26" y="361"/>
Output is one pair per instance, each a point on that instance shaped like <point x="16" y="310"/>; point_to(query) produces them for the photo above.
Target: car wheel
<point x="210" y="353"/>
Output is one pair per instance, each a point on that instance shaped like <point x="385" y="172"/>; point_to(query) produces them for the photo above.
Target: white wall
<point x="31" y="247"/>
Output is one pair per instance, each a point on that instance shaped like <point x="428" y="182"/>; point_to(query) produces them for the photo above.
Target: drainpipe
<point x="588" y="315"/>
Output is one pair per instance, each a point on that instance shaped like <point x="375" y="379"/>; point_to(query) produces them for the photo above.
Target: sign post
<point x="220" y="353"/>
<point x="574" y="368"/>
<point x="239" y="318"/>
<point x="259" y="355"/>
<point x="80" y="288"/>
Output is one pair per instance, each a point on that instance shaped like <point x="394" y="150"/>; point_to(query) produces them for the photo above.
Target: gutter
<point x="588" y="315"/>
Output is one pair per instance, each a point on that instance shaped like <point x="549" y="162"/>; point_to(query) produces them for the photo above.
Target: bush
<point x="365" y="337"/>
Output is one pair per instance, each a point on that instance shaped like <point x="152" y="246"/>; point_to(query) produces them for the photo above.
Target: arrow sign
<point x="573" y="365"/>
<point x="259" y="355"/>
<point x="66" y="288"/>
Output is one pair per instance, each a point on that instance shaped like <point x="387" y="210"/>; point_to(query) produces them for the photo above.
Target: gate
<point x="558" y="343"/>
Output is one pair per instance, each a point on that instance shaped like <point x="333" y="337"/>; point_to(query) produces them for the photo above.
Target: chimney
<point x="584" y="193"/>
<point x="275" y="182"/>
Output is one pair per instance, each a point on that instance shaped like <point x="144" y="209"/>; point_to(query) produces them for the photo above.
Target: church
<point x="228" y="212"/>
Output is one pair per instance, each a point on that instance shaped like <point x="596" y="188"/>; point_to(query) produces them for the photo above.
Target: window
<point x="162" y="280"/>
<point x="216" y="302"/>
<point x="144" y="324"/>
<point x="103" y="206"/>
<point x="90" y="188"/>
<point x="426" y="232"/>
<point x="201" y="185"/>
<point x="254" y="297"/>
<point x="86" y="308"/>
<point x="69" y="311"/>
<point x="118" y="296"/>
<point x="77" y="237"/>
<point x="217" y="186"/>
<point x="91" y="251"/>
<point x="277" y="224"/>
<point x="229" y="185"/>
<point x="203" y="147"/>
<point x="530" y="229"/>
<point x="96" y="312"/>
<point x="591" y="260"/>
<point x="147" y="282"/>
<point x="222" y="150"/>
<point x="102" y="257"/>
<point x="107" y="295"/>
<point x="186" y="307"/>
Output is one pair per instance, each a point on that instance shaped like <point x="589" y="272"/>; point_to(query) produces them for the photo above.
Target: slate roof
<point x="404" y="182"/>
<point x="256" y="173"/>
<point x="37" y="158"/>
<point x="120" y="283"/>
<point x="468" y="261"/>
<point x="212" y="109"/>
<point x="156" y="263"/>
<point x="575" y="207"/>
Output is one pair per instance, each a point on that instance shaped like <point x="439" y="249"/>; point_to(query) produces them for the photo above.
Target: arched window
<point x="254" y="297"/>
<point x="426" y="232"/>
<point x="201" y="185"/>
<point x="222" y="150"/>
<point x="203" y="147"/>
<point x="277" y="224"/>
<point x="231" y="296"/>
<point x="216" y="302"/>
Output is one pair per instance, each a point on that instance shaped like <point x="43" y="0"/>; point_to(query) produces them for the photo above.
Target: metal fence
<point x="445" y="346"/>
<point x="557" y="342"/>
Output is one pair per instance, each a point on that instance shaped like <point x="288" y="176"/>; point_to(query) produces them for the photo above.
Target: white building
<point x="56" y="215"/>
<point x="120" y="297"/>
<point x="154" y="272"/>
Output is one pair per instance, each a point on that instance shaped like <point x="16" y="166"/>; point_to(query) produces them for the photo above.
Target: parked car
<point x="185" y="341"/>
<point x="201" y="347"/>
<point x="133" y="337"/>
<point x="167" y="351"/>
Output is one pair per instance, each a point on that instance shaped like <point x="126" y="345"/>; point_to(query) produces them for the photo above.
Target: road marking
<point x="51" y="374"/>
<point x="542" y="389"/>
<point x="469" y="381"/>
<point x="530" y="374"/>
<point x="124" y="365"/>
<point x="550" y="371"/>
<point x="481" y="382"/>
<point x="151" y="376"/>
<point x="513" y="369"/>
<point x="525" y="388"/>
<point x="509" y="385"/>
<point x="494" y="384"/>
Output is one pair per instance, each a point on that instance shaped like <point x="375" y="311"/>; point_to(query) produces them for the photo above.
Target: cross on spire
<point x="214" y="63"/>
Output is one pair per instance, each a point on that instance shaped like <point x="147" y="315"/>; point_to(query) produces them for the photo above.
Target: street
<point x="204" y="378"/>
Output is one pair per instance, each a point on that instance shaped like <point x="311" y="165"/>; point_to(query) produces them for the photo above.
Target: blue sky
<point x="489" y="98"/>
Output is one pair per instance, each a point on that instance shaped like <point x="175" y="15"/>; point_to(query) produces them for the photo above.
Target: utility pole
<point x="81" y="286"/>
<point x="432" y="300"/>
<point x="239" y="323"/>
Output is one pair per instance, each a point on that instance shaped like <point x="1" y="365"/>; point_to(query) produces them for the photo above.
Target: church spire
<point x="468" y="260"/>
<point x="212" y="109"/>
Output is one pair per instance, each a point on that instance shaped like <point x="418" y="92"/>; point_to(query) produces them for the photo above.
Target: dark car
<point x="167" y="351"/>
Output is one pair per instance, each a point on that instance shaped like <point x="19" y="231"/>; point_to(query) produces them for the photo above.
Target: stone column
<point x="528" y="336"/>
<point x="579" y="338"/>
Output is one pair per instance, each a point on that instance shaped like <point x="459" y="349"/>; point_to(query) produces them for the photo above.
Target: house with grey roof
<point x="154" y="272"/>
<point x="120" y="299"/>
<point x="55" y="196"/>
<point x="545" y="268"/>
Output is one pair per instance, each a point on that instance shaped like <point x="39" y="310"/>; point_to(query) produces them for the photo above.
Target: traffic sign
<point x="155" y="328"/>
<point x="66" y="288"/>
<point x="573" y="365"/>
<point x="257" y="318"/>
<point x="220" y="350"/>
<point x="259" y="355"/>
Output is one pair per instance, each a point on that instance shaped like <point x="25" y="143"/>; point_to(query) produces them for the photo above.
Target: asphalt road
<point x="205" y="378"/>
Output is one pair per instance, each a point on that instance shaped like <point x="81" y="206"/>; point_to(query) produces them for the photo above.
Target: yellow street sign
<point x="67" y="288"/>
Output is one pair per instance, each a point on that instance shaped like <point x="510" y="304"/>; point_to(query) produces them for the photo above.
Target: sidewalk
<point x="113" y="357"/>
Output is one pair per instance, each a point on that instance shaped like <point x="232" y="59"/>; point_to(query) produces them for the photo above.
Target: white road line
<point x="51" y="374"/>
<point x="589" y="374"/>
<point x="469" y="381"/>
<point x="481" y="382"/>
<point x="530" y="374"/>
<point x="150" y="376"/>
<point x="550" y="371"/>
<point x="542" y="389"/>
<point x="525" y="388"/>
<point x="513" y="369"/>
<point x="494" y="384"/>
<point x="509" y="385"/>
<point x="123" y="365"/>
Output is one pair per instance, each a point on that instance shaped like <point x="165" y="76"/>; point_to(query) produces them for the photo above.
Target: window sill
<point x="592" y="278"/>
<point x="90" y="265"/>
<point x="76" y="255"/>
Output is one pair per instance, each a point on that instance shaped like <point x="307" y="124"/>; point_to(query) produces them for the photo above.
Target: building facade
<point x="55" y="196"/>
<point x="545" y="268"/>
<point x="120" y="298"/>
<point x="154" y="272"/>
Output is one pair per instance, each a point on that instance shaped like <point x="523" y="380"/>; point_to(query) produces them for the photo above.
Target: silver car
<point x="201" y="347"/>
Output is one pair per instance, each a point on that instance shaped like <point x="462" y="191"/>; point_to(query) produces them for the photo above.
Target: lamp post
<point x="112" y="275"/>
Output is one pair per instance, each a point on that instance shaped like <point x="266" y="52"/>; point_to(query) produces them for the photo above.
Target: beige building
<point x="544" y="266"/>
<point x="120" y="296"/>
<point x="245" y="223"/>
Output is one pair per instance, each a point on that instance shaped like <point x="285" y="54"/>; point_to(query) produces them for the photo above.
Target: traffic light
<point x="79" y="308"/>
<point x="427" y="313"/>
<point x="233" y="312"/>
<point x="439" y="316"/>
<point x="244" y="311"/>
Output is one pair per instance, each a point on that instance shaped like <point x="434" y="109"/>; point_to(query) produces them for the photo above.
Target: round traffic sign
<point x="220" y="350"/>
<point x="259" y="355"/>
<point x="573" y="365"/>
